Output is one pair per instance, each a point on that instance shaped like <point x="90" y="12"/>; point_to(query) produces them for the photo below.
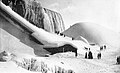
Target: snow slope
<point x="94" y="33"/>
<point x="12" y="44"/>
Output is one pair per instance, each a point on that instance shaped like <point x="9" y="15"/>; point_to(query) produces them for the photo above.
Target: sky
<point x="102" y="12"/>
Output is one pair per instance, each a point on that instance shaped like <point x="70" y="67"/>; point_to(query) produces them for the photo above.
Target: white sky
<point x="103" y="12"/>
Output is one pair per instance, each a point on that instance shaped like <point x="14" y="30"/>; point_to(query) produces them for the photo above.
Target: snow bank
<point x="41" y="64"/>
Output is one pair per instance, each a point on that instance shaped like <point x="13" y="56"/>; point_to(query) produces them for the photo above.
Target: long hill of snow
<point x="95" y="34"/>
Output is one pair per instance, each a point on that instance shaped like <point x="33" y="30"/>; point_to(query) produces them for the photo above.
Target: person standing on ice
<point x="118" y="60"/>
<point x="76" y="53"/>
<point x="90" y="56"/>
<point x="86" y="55"/>
<point x="99" y="55"/>
<point x="104" y="46"/>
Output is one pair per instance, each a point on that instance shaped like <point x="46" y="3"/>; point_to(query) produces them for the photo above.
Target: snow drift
<point x="95" y="34"/>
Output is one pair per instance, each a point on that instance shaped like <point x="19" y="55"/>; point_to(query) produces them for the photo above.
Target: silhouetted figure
<point x="99" y="55"/>
<point x="57" y="32"/>
<point x="90" y="56"/>
<point x="118" y="60"/>
<point x="101" y="47"/>
<point x="104" y="46"/>
<point x="72" y="38"/>
<point x="75" y="52"/>
<point x="86" y="55"/>
<point x="61" y="34"/>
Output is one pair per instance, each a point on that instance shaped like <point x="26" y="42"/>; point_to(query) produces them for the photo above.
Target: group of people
<point x="89" y="55"/>
<point x="58" y="33"/>
<point x="102" y="47"/>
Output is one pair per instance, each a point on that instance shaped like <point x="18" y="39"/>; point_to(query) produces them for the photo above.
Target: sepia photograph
<point x="59" y="36"/>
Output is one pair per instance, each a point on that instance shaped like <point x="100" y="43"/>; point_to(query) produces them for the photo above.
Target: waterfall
<point x="56" y="20"/>
<point x="39" y="16"/>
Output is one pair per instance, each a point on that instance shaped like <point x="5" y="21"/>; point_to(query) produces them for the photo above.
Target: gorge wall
<point x="41" y="17"/>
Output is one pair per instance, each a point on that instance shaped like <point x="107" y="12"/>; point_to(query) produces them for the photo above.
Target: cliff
<point x="41" y="17"/>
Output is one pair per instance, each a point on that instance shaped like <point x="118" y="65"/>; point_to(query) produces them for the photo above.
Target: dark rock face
<point x="41" y="17"/>
<point x="16" y="5"/>
<point x="35" y="14"/>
